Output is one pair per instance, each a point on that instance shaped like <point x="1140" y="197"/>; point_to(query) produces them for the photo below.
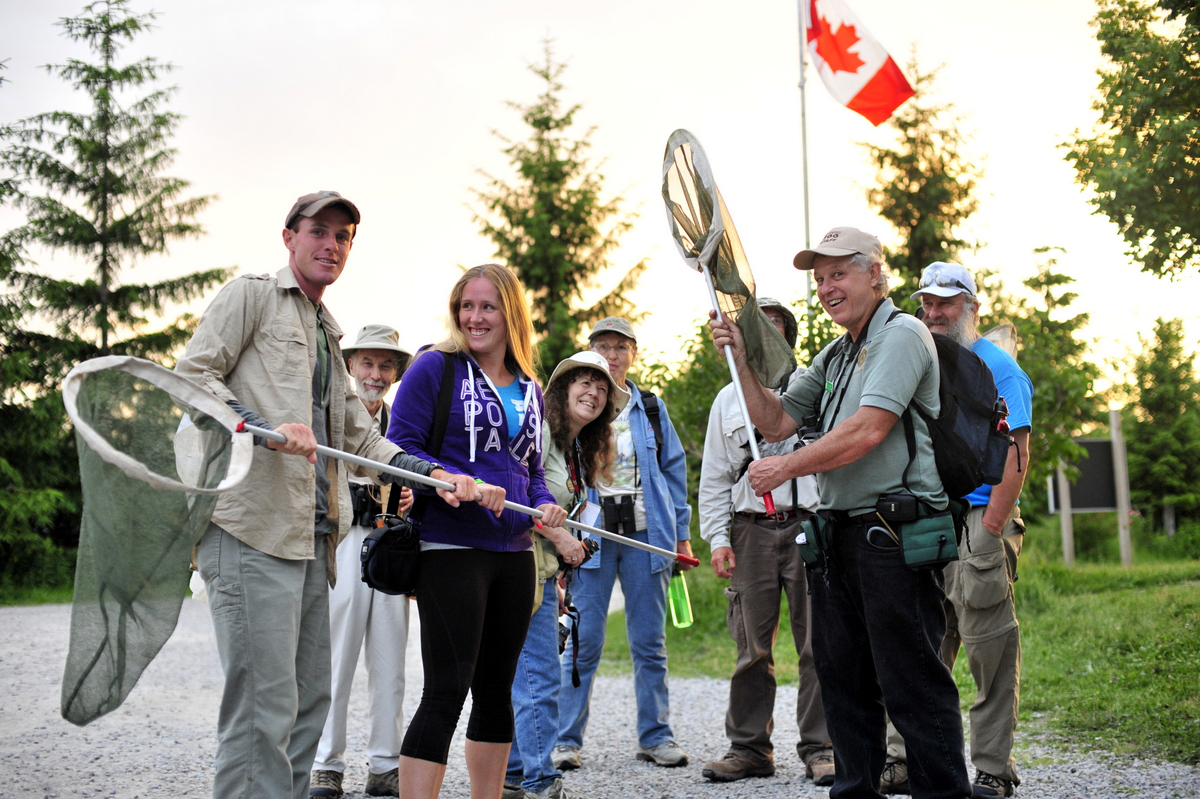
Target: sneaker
<point x="325" y="784"/>
<point x="512" y="791"/>
<point x="666" y="754"/>
<point x="385" y="784"/>
<point x="820" y="769"/>
<point x="895" y="777"/>
<point x="565" y="758"/>
<point x="737" y="764"/>
<point x="988" y="787"/>
<point x="555" y="791"/>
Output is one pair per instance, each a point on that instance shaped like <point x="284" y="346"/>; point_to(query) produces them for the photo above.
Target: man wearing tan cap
<point x="876" y="623"/>
<point x="360" y="616"/>
<point x="268" y="347"/>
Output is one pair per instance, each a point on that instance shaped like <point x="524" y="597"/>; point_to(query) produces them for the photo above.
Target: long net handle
<point x="768" y="500"/>
<point x="433" y="483"/>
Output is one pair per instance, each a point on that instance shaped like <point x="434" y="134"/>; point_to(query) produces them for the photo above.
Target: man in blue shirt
<point x="979" y="587"/>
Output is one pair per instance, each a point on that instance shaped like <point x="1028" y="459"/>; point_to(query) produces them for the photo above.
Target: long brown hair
<point x="595" y="439"/>
<point x="516" y="316"/>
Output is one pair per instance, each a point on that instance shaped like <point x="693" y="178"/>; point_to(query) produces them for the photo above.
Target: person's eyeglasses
<point x="945" y="281"/>
<point x="605" y="349"/>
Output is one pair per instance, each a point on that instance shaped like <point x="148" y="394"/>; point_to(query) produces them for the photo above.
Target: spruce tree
<point x="552" y="226"/>
<point x="924" y="185"/>
<point x="91" y="185"/>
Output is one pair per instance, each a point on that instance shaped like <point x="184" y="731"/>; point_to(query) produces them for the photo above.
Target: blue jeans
<point x="535" y="700"/>
<point x="645" y="619"/>
<point x="877" y="628"/>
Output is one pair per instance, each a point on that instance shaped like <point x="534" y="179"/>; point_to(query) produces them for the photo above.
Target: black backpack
<point x="970" y="434"/>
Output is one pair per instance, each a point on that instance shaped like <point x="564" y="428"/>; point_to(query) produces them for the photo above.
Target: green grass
<point x="12" y="595"/>
<point x="1111" y="655"/>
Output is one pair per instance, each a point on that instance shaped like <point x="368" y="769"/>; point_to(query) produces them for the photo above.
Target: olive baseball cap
<point x="310" y="204"/>
<point x="841" y="241"/>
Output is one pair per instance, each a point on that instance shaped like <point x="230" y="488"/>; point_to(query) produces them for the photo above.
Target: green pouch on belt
<point x="813" y="541"/>
<point x="929" y="541"/>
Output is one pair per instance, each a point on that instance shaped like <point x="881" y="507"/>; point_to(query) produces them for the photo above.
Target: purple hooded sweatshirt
<point x="477" y="443"/>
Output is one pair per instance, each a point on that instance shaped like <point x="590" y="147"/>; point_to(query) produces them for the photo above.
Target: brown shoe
<point x="737" y="764"/>
<point x="895" y="777"/>
<point x="820" y="769"/>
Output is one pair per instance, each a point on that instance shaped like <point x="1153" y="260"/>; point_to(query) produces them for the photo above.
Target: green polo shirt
<point x="896" y="365"/>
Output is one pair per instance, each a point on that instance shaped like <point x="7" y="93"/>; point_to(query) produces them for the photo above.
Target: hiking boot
<point x="325" y="784"/>
<point x="895" y="777"/>
<point x="988" y="787"/>
<point x="820" y="769"/>
<point x="385" y="784"/>
<point x="512" y="791"/>
<point x="737" y="764"/>
<point x="666" y="754"/>
<point x="565" y="758"/>
<point x="555" y="791"/>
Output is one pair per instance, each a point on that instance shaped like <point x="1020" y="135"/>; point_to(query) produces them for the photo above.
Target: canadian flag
<point x="855" y="68"/>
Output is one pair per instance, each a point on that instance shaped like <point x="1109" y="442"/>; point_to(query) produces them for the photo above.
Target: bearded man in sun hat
<point x="359" y="615"/>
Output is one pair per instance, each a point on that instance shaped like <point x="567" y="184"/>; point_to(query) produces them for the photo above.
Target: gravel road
<point x="161" y="742"/>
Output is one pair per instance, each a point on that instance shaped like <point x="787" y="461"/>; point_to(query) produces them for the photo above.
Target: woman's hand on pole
<point x="568" y="546"/>
<point x="552" y="515"/>
<point x="406" y="500"/>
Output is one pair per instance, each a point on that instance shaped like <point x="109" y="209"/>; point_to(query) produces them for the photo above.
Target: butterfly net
<point x="704" y="232"/>
<point x="155" y="450"/>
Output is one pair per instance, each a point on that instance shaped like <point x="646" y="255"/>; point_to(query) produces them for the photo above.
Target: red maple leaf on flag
<point x="834" y="48"/>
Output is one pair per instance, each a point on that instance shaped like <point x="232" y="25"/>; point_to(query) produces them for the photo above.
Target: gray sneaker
<point x="385" y="784"/>
<point x="895" y="777"/>
<point x="325" y="784"/>
<point x="512" y="791"/>
<point x="667" y="754"/>
<point x="565" y="758"/>
<point x="555" y="791"/>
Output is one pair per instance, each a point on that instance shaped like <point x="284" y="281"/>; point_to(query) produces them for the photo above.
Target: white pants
<point x="358" y="615"/>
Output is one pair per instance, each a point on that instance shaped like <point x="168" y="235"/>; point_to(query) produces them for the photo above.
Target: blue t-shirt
<point x="513" y="400"/>
<point x="1017" y="390"/>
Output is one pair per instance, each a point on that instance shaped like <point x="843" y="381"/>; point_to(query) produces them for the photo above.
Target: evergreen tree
<point x="1163" y="432"/>
<point x="924" y="185"/>
<point x="91" y="185"/>
<point x="551" y="225"/>
<point x="1056" y="359"/>
<point x="1144" y="164"/>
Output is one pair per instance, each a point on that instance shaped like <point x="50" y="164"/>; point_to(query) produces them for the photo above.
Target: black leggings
<point x="475" y="607"/>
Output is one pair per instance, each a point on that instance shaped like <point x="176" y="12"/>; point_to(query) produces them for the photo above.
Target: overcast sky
<point x="394" y="103"/>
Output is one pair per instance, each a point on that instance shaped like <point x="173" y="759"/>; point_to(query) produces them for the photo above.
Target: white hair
<point x="864" y="263"/>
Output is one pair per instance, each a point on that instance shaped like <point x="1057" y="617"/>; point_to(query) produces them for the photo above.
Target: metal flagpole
<point x="804" y="154"/>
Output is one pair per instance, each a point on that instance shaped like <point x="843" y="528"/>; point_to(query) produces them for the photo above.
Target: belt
<point x="841" y="517"/>
<point x="779" y="516"/>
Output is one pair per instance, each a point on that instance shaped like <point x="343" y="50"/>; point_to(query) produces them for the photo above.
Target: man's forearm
<point x="1005" y="495"/>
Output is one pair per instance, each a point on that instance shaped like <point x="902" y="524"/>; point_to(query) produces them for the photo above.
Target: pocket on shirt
<point x="288" y="348"/>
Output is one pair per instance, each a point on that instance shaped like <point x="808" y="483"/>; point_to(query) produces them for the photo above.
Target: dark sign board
<point x="1096" y="488"/>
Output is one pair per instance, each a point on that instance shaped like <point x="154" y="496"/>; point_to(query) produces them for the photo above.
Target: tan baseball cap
<point x="310" y="204"/>
<point x="613" y="324"/>
<point x="841" y="241"/>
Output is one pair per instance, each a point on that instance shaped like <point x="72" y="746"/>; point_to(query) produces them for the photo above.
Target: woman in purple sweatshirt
<point x="475" y="592"/>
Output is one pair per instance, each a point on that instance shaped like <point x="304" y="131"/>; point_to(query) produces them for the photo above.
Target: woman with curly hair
<point x="581" y="402"/>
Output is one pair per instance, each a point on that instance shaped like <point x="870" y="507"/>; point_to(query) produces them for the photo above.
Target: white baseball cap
<point x="943" y="279"/>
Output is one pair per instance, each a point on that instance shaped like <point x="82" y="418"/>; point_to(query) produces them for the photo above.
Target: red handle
<point x="770" y="503"/>
<point x="687" y="560"/>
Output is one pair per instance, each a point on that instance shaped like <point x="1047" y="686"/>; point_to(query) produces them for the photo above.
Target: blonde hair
<point x="516" y="316"/>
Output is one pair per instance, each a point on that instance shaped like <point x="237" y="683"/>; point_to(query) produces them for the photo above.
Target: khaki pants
<point x="980" y="616"/>
<point x="768" y="564"/>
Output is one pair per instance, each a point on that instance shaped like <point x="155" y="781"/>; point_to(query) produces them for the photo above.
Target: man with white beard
<point x="357" y="612"/>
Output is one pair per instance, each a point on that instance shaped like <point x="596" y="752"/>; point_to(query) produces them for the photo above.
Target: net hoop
<point x="683" y="147"/>
<point x="179" y="387"/>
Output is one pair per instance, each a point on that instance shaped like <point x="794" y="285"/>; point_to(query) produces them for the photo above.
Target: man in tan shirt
<point x="269" y="348"/>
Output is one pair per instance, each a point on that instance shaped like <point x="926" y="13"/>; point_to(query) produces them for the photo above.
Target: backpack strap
<point x="654" y="414"/>
<point x="437" y="436"/>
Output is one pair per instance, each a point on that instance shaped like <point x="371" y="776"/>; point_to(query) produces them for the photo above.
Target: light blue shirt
<point x="1016" y="388"/>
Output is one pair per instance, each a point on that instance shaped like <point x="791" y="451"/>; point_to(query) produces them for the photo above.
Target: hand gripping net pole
<point x="155" y="450"/>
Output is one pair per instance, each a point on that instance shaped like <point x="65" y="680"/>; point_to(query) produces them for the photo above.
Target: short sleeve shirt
<point x="892" y="367"/>
<point x="1017" y="390"/>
